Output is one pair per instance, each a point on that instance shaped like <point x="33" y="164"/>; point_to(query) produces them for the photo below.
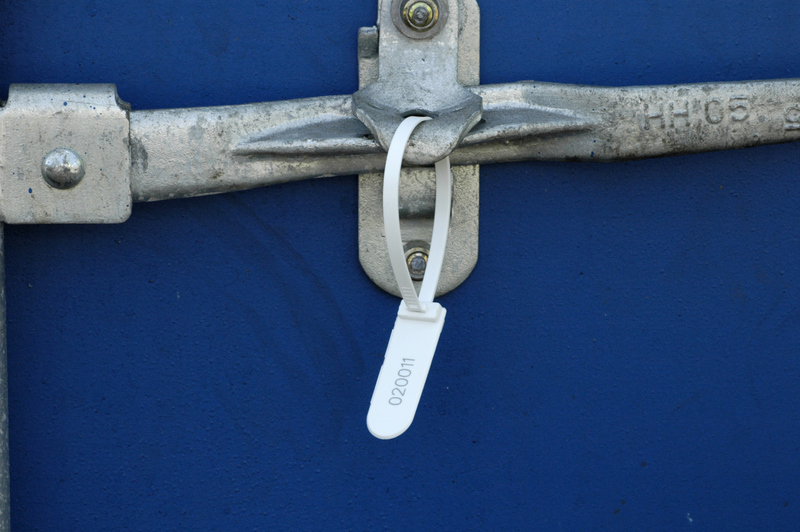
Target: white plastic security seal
<point x="419" y="320"/>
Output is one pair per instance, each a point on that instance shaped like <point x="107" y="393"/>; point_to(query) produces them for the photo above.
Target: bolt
<point x="419" y="19"/>
<point x="417" y="261"/>
<point x="422" y="15"/>
<point x="62" y="168"/>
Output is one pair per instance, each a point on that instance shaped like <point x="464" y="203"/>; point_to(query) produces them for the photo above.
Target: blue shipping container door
<point x="623" y="357"/>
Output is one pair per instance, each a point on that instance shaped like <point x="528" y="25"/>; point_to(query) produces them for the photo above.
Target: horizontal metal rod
<point x="192" y="152"/>
<point x="640" y="122"/>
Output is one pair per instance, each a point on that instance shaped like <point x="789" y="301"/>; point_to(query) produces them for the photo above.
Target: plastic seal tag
<point x="404" y="371"/>
<point x="419" y="320"/>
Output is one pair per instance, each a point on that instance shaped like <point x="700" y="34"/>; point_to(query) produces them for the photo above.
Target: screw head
<point x="421" y="15"/>
<point x="420" y="19"/>
<point x="62" y="168"/>
<point x="417" y="261"/>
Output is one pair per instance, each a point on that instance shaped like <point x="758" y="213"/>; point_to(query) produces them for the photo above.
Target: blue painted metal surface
<point x="624" y="357"/>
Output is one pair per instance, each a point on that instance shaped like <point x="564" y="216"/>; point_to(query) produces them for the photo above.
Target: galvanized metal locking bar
<point x="220" y="149"/>
<point x="190" y="152"/>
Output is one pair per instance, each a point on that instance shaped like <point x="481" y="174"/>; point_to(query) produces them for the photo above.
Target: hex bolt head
<point x="421" y="15"/>
<point x="417" y="261"/>
<point x="420" y="19"/>
<point x="62" y="168"/>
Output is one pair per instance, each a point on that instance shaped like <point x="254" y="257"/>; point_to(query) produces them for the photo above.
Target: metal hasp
<point x="420" y="75"/>
<point x="402" y="72"/>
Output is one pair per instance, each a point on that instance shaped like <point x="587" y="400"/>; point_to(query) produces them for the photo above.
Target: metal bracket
<point x="64" y="155"/>
<point x="421" y="76"/>
<point x="400" y="74"/>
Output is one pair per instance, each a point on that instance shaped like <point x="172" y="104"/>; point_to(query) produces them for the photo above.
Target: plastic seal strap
<point x="419" y="320"/>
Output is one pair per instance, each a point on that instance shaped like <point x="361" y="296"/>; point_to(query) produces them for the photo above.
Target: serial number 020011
<point x="401" y="382"/>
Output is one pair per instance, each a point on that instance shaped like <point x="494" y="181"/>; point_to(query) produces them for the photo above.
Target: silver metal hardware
<point x="417" y="185"/>
<point x="192" y="152"/>
<point x="419" y="19"/>
<point x="154" y="155"/>
<point x="77" y="138"/>
<point x="420" y="77"/>
<point x="417" y="259"/>
<point x="421" y="15"/>
<point x="62" y="168"/>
